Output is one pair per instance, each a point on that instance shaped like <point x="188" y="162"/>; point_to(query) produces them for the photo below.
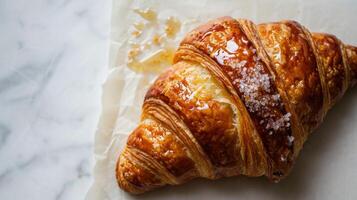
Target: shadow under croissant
<point x="295" y="186"/>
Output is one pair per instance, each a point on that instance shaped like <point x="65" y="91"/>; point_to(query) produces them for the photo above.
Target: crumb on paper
<point x="157" y="39"/>
<point x="132" y="54"/>
<point x="153" y="42"/>
<point x="154" y="62"/>
<point x="173" y="25"/>
<point x="136" y="33"/>
<point x="139" y="26"/>
<point x="148" y="14"/>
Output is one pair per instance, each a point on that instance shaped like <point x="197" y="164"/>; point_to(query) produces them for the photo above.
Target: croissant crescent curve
<point x="240" y="99"/>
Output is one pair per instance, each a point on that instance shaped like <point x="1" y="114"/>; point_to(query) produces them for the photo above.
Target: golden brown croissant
<point x="240" y="99"/>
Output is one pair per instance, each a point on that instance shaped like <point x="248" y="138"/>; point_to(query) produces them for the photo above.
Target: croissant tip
<point x="352" y="59"/>
<point x="121" y="180"/>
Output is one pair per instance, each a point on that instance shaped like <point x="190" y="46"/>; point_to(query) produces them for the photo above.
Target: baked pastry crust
<point x="240" y="99"/>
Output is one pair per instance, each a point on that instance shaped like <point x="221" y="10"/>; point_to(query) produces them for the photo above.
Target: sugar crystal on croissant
<point x="240" y="99"/>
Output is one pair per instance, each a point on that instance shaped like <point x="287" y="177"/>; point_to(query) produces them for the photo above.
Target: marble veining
<point x="53" y="58"/>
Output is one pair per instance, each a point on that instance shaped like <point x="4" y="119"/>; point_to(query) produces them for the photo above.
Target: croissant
<point x="240" y="99"/>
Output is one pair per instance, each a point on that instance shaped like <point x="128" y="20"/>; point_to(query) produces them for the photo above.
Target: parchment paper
<point x="326" y="168"/>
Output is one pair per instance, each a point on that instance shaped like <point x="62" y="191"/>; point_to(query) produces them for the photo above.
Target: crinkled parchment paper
<point x="321" y="173"/>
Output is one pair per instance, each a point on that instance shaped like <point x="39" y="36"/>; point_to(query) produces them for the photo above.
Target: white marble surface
<point x="53" y="56"/>
<point x="325" y="168"/>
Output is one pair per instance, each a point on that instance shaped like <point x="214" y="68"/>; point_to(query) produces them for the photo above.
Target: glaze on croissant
<point x="240" y="99"/>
